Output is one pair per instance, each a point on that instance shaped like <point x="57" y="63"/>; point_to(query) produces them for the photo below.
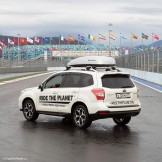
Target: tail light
<point x="99" y="93"/>
<point x="138" y="92"/>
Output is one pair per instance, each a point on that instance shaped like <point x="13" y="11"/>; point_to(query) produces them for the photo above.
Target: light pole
<point x="109" y="26"/>
<point x="18" y="48"/>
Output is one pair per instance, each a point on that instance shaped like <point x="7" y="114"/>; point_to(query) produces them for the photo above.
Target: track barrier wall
<point x="148" y="76"/>
<point x="22" y="69"/>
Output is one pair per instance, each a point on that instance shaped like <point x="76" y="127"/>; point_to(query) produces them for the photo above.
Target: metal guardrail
<point x="149" y="60"/>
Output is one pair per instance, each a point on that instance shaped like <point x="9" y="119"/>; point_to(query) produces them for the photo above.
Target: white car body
<point x="100" y="101"/>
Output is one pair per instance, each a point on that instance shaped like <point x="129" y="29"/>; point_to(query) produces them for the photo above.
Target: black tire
<point x="80" y="117"/>
<point x="29" y="110"/>
<point x="122" y="120"/>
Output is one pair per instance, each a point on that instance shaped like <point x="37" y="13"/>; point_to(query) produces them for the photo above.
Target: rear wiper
<point x="126" y="87"/>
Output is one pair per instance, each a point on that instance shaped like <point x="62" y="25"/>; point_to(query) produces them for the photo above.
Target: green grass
<point x="16" y="77"/>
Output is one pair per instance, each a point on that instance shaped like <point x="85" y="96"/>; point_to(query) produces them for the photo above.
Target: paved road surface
<point x="53" y="139"/>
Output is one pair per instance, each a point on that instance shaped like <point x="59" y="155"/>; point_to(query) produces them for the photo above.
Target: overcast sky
<point x="51" y="17"/>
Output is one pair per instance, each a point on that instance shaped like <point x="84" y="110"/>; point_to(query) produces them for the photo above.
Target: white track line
<point x="148" y="86"/>
<point x="23" y="78"/>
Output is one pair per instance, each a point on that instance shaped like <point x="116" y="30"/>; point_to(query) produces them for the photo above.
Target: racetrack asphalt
<point x="55" y="139"/>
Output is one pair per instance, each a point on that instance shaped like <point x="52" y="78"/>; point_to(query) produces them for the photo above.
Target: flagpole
<point x="78" y="39"/>
<point x="120" y="45"/>
<point x="109" y="44"/>
<point x="50" y="41"/>
<point x="8" y="48"/>
<point x="131" y="45"/>
<point x="60" y="49"/>
<point x="152" y="39"/>
<point x="2" y="53"/>
<point x="109" y="25"/>
<point x="68" y="49"/>
<point x="34" y="47"/>
<point x="98" y="43"/>
<point x="142" y="42"/>
<point x="59" y="41"/>
<point x="18" y="48"/>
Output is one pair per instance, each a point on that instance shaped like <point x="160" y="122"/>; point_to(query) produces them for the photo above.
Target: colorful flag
<point x="155" y="36"/>
<point x="81" y="37"/>
<point x="22" y="40"/>
<point x="36" y="39"/>
<point x="112" y="36"/>
<point x="62" y="38"/>
<point x="15" y="40"/>
<point x="54" y="49"/>
<point x="71" y="38"/>
<point x="91" y="37"/>
<point x="134" y="36"/>
<point x="30" y="40"/>
<point x="10" y="41"/>
<point x="44" y="39"/>
<point x="1" y="43"/>
<point x="116" y="48"/>
<point x="122" y="36"/>
<point x="144" y="36"/>
<point x="101" y="37"/>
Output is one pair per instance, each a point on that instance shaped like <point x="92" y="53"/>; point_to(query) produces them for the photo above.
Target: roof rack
<point x="88" y="68"/>
<point x="92" y="68"/>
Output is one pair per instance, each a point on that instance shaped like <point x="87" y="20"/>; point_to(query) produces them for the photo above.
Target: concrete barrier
<point x="22" y="69"/>
<point x="148" y="76"/>
<point x="56" y="68"/>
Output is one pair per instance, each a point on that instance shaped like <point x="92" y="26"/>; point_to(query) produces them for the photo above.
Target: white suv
<point x="90" y="88"/>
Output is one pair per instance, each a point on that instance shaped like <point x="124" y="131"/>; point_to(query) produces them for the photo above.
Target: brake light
<point x="103" y="112"/>
<point x="137" y="92"/>
<point x="99" y="93"/>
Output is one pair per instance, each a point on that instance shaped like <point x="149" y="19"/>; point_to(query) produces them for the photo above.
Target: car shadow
<point x="97" y="133"/>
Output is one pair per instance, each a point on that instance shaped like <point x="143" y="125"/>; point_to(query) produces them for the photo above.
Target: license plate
<point x="123" y="95"/>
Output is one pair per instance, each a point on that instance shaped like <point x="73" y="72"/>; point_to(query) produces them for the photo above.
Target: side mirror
<point x="40" y="87"/>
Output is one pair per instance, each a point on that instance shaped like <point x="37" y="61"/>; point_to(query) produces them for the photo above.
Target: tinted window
<point x="72" y="80"/>
<point x="54" y="82"/>
<point x="117" y="81"/>
<point x="87" y="80"/>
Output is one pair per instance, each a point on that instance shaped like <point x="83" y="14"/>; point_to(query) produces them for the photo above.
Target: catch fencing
<point x="148" y="60"/>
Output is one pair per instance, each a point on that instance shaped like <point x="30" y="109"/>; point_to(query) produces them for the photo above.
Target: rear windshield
<point x="117" y="81"/>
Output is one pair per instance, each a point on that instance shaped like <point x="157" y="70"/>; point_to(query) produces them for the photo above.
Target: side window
<point x="87" y="80"/>
<point x="54" y="82"/>
<point x="72" y="80"/>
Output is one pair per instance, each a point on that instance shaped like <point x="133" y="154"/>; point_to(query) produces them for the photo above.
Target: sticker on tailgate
<point x="122" y="103"/>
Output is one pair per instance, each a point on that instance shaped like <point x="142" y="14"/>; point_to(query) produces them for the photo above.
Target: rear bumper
<point x="112" y="114"/>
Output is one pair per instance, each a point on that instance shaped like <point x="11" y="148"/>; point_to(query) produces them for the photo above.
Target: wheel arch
<point x="27" y="98"/>
<point x="78" y="103"/>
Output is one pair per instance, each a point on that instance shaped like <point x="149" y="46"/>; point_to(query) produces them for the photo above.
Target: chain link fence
<point x="48" y="58"/>
<point x="150" y="60"/>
